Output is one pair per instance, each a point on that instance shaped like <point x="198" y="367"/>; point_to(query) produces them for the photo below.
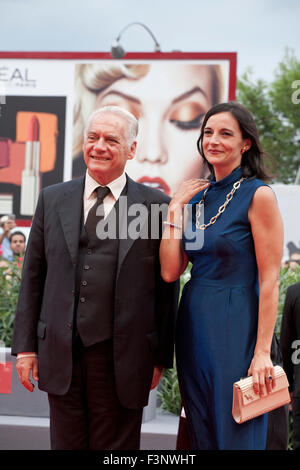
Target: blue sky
<point x="258" y="30"/>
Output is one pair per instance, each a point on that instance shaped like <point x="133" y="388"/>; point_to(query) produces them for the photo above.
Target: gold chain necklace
<point x="221" y="209"/>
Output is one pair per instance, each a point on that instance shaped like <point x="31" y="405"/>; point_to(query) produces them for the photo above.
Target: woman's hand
<point x="173" y="259"/>
<point x="183" y="195"/>
<point x="187" y="190"/>
<point x="262" y="371"/>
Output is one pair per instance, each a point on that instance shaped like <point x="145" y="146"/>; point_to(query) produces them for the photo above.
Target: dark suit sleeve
<point x="287" y="336"/>
<point x="166" y="310"/>
<point x="32" y="286"/>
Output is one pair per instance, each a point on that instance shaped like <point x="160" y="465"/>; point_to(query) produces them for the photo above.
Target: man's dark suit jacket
<point x="290" y="331"/>
<point x="145" y="306"/>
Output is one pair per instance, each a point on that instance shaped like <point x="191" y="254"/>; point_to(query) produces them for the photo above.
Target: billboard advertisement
<point x="46" y="98"/>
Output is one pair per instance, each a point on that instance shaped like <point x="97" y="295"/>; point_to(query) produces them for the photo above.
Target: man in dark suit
<point x="95" y="321"/>
<point x="290" y="348"/>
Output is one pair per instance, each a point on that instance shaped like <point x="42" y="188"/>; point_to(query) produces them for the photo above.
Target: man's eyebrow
<point x="122" y="95"/>
<point x="113" y="136"/>
<point x="187" y="94"/>
<point x="108" y="135"/>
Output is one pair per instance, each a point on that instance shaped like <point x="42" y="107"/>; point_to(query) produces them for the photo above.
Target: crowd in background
<point x="12" y="242"/>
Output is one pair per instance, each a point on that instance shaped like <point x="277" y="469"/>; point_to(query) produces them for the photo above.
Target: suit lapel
<point x="134" y="196"/>
<point x="70" y="210"/>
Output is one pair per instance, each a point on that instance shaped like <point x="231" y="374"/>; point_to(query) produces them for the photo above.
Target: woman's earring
<point x="244" y="150"/>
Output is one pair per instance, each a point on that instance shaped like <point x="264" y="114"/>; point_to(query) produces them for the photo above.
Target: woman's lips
<point x="156" y="183"/>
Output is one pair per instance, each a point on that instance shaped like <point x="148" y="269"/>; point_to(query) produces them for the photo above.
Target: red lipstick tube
<point x="31" y="180"/>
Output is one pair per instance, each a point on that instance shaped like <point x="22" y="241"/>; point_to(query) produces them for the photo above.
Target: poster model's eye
<point x="187" y="116"/>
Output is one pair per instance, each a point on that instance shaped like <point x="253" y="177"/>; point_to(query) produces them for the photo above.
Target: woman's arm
<point x="173" y="258"/>
<point x="267" y="230"/>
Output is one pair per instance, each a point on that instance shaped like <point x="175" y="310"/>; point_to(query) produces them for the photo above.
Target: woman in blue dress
<point x="233" y="235"/>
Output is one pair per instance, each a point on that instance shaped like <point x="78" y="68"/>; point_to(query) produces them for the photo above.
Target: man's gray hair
<point x="133" y="125"/>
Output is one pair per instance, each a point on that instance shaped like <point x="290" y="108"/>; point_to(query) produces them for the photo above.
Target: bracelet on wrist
<point x="170" y="224"/>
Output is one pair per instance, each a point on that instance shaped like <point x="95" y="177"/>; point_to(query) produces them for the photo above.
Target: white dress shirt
<point x="89" y="196"/>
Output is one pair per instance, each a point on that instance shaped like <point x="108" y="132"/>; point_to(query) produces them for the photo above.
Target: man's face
<point x="17" y="244"/>
<point x="294" y="260"/>
<point x="105" y="148"/>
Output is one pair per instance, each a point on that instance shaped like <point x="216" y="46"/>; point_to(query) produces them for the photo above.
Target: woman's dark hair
<point x="253" y="159"/>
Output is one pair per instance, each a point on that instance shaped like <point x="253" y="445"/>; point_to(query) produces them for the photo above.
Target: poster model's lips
<point x="156" y="183"/>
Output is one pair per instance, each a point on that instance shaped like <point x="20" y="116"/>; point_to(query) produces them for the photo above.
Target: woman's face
<point x="223" y="142"/>
<point x="170" y="103"/>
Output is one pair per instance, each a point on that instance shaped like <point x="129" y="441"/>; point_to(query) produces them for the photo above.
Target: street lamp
<point x="117" y="50"/>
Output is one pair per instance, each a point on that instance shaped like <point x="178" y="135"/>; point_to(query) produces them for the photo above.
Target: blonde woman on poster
<point x="169" y="100"/>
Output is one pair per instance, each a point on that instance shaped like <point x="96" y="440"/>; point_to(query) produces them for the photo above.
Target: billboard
<point x="47" y="97"/>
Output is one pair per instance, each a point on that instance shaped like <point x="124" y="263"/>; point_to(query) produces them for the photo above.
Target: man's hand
<point x="8" y="226"/>
<point x="25" y="366"/>
<point x="157" y="375"/>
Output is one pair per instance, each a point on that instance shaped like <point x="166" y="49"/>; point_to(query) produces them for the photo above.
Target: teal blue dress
<point x="217" y="319"/>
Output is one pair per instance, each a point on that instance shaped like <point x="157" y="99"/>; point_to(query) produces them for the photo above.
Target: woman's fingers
<point x="188" y="189"/>
<point x="263" y="378"/>
<point x="270" y="379"/>
<point x="264" y="381"/>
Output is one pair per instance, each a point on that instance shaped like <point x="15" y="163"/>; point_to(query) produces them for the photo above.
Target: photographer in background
<point x="7" y="224"/>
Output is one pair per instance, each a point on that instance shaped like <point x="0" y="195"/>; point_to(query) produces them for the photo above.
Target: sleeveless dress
<point x="217" y="319"/>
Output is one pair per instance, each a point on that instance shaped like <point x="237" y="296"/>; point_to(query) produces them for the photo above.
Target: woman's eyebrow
<point x="196" y="89"/>
<point x="122" y="95"/>
<point x="222" y="130"/>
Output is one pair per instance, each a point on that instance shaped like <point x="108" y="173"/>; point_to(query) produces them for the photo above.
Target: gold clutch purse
<point x="247" y="405"/>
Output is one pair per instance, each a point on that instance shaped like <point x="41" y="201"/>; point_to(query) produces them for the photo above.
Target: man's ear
<point x="132" y="151"/>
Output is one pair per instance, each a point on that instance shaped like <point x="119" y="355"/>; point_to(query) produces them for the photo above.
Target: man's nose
<point x="100" y="144"/>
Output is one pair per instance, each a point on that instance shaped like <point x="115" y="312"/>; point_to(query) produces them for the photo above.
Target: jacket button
<point x="82" y="299"/>
<point x="86" y="267"/>
<point x="84" y="283"/>
<point x="69" y="325"/>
